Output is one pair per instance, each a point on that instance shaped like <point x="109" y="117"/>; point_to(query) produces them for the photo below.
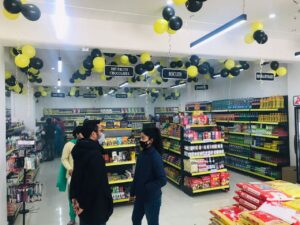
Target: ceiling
<point x="213" y="13"/>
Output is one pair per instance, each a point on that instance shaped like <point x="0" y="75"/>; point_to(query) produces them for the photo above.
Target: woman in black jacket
<point x="149" y="178"/>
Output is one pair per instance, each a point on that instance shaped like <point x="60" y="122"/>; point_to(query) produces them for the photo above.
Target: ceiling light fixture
<point x="105" y="94"/>
<point x="221" y="30"/>
<point x="52" y="68"/>
<point x="123" y="84"/>
<point x="58" y="91"/>
<point x="297" y="54"/>
<point x="59" y="65"/>
<point x="144" y="94"/>
<point x="60" y="19"/>
<point x="178" y="85"/>
<point x="111" y="91"/>
<point x="156" y="66"/>
<point x="272" y="16"/>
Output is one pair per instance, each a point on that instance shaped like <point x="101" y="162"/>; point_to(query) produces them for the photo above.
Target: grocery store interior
<point x="219" y="79"/>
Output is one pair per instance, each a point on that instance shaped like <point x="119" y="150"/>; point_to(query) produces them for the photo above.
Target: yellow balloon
<point x="179" y="2"/>
<point x="99" y="62"/>
<point x="17" y="88"/>
<point x="124" y="60"/>
<point x="192" y="71"/>
<point x="145" y="57"/>
<point x="23" y="1"/>
<point x="77" y="81"/>
<point x="28" y="50"/>
<point x="160" y="26"/>
<point x="7" y="75"/>
<point x="281" y="71"/>
<point x="152" y="72"/>
<point x="41" y="88"/>
<point x="44" y="93"/>
<point x="22" y="60"/>
<point x="102" y="77"/>
<point x="207" y="77"/>
<point x="117" y="59"/>
<point x="153" y="81"/>
<point x="9" y="15"/>
<point x="177" y="93"/>
<point x="159" y="79"/>
<point x="99" y="70"/>
<point x="33" y="70"/>
<point x="257" y="25"/>
<point x="229" y="64"/>
<point x="170" y="31"/>
<point x="82" y="70"/>
<point x="230" y="76"/>
<point x="249" y="38"/>
<point x="72" y="93"/>
<point x="130" y="80"/>
<point x="129" y="94"/>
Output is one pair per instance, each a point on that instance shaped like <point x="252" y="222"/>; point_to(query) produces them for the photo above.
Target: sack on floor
<point x="249" y="198"/>
<point x="261" y="218"/>
<point x="228" y="215"/>
<point x="288" y="188"/>
<point x="295" y="204"/>
<point x="245" y="203"/>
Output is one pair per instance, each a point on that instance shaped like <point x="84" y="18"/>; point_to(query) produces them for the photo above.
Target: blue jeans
<point x="84" y="223"/>
<point x="150" y="208"/>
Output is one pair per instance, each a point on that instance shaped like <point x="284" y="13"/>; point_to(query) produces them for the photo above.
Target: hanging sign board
<point x="201" y="87"/>
<point x="121" y="95"/>
<point x="174" y="74"/>
<point x="119" y="71"/>
<point x="57" y="95"/>
<point x="89" y="95"/>
<point x="264" y="76"/>
<point x="296" y="100"/>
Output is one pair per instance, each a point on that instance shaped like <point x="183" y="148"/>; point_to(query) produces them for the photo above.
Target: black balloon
<point x="88" y="63"/>
<point x="16" y="51"/>
<point x="76" y="75"/>
<point x="36" y="63"/>
<point x="72" y="81"/>
<point x="109" y="54"/>
<point x="194" y="60"/>
<point x="168" y="12"/>
<point x="37" y="94"/>
<point x="24" y="70"/>
<point x="195" y="79"/>
<point x="190" y="80"/>
<point x="138" y="78"/>
<point x="31" y="12"/>
<point x="203" y="69"/>
<point x="173" y="64"/>
<point x="194" y="5"/>
<point x="96" y="53"/>
<point x="39" y="80"/>
<point x="82" y="77"/>
<point x="264" y="39"/>
<point x="88" y="73"/>
<point x="235" y="71"/>
<point x="179" y="64"/>
<point x="224" y="73"/>
<point x="243" y="62"/>
<point x="258" y="35"/>
<point x="175" y="23"/>
<point x="113" y="63"/>
<point x="165" y="80"/>
<point x="133" y="59"/>
<point x="126" y="89"/>
<point x="149" y="65"/>
<point x="245" y="66"/>
<point x="211" y="70"/>
<point x="133" y="80"/>
<point x="11" y="81"/>
<point x="108" y="78"/>
<point x="13" y="6"/>
<point x="274" y="65"/>
<point x="139" y="69"/>
<point x="177" y="82"/>
<point x="159" y="83"/>
<point x="77" y="93"/>
<point x="187" y="64"/>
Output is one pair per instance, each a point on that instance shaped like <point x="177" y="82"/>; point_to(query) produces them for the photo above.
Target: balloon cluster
<point x="256" y="34"/>
<point x="12" y="84"/>
<point x="232" y="70"/>
<point x="74" y="91"/>
<point x="28" y="63"/>
<point x="170" y="23"/>
<point x="277" y="70"/>
<point x="13" y="8"/>
<point x="94" y="62"/>
<point x="172" y="96"/>
<point x="194" y="67"/>
<point x="42" y="92"/>
<point x="176" y="64"/>
<point x="193" y="5"/>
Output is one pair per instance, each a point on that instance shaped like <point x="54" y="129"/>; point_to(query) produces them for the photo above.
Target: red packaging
<point x="264" y="192"/>
<point x="245" y="203"/>
<point x="249" y="198"/>
<point x="224" y="178"/>
<point x="257" y="217"/>
<point x="215" y="179"/>
<point x="206" y="182"/>
<point x="229" y="214"/>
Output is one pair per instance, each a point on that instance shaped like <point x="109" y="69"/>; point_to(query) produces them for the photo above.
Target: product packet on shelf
<point x="264" y="192"/>
<point x="286" y="187"/>
<point x="228" y="215"/>
<point x="261" y="218"/>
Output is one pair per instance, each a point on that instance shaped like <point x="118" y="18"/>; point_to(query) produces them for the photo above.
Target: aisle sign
<point x="174" y="74"/>
<point x="89" y="95"/>
<point x="296" y="100"/>
<point x="264" y="76"/>
<point x="201" y="87"/>
<point x="119" y="71"/>
<point x="57" y="95"/>
<point x="121" y="95"/>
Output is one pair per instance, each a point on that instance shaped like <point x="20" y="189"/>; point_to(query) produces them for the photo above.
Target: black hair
<point x="77" y="131"/>
<point x="90" y="126"/>
<point x="154" y="133"/>
<point x="48" y="121"/>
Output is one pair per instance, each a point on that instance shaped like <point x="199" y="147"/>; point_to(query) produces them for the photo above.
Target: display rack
<point x="75" y="116"/>
<point x="190" y="160"/>
<point x="257" y="138"/>
<point x="165" y="113"/>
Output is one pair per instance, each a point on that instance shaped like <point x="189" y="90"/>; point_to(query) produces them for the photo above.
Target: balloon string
<point x="244" y="6"/>
<point x="170" y="48"/>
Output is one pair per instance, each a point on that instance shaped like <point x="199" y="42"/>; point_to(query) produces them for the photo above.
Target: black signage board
<point x="119" y="71"/>
<point x="121" y="95"/>
<point x="58" y="95"/>
<point x="264" y="76"/>
<point x="201" y="87"/>
<point x="177" y="74"/>
<point x="89" y="95"/>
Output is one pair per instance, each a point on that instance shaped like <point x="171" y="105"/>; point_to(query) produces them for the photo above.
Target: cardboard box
<point x="289" y="174"/>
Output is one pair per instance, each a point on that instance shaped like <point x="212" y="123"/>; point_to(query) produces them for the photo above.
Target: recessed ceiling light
<point x="272" y="15"/>
<point x="53" y="68"/>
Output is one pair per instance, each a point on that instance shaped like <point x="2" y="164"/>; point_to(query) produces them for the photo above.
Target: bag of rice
<point x="245" y="203"/>
<point x="249" y="198"/>
<point x="228" y="215"/>
<point x="295" y="204"/>
<point x="261" y="218"/>
<point x="288" y="188"/>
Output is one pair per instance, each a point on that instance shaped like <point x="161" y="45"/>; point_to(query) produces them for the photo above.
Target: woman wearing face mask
<point x="149" y="178"/>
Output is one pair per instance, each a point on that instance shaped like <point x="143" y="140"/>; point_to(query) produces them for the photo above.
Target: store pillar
<point x="3" y="207"/>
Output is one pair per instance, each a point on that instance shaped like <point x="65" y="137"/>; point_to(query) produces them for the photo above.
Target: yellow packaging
<point x="245" y="222"/>
<point x="290" y="189"/>
<point x="295" y="204"/>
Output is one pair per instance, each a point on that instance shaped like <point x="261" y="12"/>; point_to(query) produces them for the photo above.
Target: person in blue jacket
<point x="149" y="178"/>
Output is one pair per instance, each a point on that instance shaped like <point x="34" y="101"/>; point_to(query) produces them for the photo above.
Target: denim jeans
<point x="150" y="209"/>
<point x="83" y="223"/>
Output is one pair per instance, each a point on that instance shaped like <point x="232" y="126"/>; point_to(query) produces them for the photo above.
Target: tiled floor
<point x="177" y="207"/>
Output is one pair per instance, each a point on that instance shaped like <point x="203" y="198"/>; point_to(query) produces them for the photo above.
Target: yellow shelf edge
<point x="11" y="151"/>
<point x="240" y="133"/>
<point x="121" y="200"/>
<point x="210" y="156"/>
<point x="208" y="172"/>
<point x="264" y="162"/>
<point x="173" y="180"/>
<point x="120" y="163"/>
<point x="171" y="164"/>
<point x="121" y="181"/>
<point x="270" y="123"/>
<point x="202" y="126"/>
<point x="171" y="137"/>
<point x="238" y="156"/>
<point x="251" y="172"/>
<point x="231" y="121"/>
<point x="112" y="129"/>
<point x="262" y="110"/>
<point x="119" y="146"/>
<point x="172" y="150"/>
<point x="211" y="189"/>
<point x="265" y="149"/>
<point x="266" y="136"/>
